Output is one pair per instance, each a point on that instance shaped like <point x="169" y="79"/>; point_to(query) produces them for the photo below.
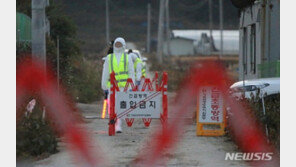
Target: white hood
<point x="119" y="51"/>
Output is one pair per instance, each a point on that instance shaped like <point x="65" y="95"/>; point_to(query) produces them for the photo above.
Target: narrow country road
<point x="122" y="148"/>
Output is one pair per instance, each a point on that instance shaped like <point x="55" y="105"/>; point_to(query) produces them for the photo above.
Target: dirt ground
<point x="122" y="148"/>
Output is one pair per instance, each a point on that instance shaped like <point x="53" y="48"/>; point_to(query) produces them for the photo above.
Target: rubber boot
<point x="118" y="126"/>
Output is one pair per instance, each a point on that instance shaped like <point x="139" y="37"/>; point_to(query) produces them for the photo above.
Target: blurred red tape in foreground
<point x="31" y="80"/>
<point x="245" y="131"/>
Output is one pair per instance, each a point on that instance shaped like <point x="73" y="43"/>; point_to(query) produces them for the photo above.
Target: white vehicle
<point x="266" y="86"/>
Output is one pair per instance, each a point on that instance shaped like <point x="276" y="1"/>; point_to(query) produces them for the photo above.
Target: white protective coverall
<point x="138" y="68"/>
<point x="106" y="73"/>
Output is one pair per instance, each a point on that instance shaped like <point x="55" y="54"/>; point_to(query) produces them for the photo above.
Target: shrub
<point x="87" y="82"/>
<point x="271" y="118"/>
<point x="34" y="136"/>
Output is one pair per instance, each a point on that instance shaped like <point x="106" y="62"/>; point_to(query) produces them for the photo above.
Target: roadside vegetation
<point x="73" y="64"/>
<point x="79" y="77"/>
<point x="176" y="71"/>
<point x="272" y="117"/>
<point x="35" y="138"/>
<point x="269" y="122"/>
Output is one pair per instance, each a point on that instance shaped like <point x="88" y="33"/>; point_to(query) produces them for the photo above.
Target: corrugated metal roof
<point x="230" y="37"/>
<point x="185" y="38"/>
<point x="196" y="34"/>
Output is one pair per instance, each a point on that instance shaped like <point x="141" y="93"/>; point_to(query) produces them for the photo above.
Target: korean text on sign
<point x="140" y="104"/>
<point x="210" y="105"/>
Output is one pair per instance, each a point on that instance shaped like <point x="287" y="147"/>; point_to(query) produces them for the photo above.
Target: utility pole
<point x="107" y="22"/>
<point x="159" y="52"/>
<point x="38" y="30"/>
<point x="221" y="28"/>
<point x="58" y="63"/>
<point x="167" y="26"/>
<point x="211" y="25"/>
<point x="148" y="27"/>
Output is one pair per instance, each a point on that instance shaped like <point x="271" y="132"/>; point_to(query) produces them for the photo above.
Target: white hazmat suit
<point x="118" y="52"/>
<point x="138" y="68"/>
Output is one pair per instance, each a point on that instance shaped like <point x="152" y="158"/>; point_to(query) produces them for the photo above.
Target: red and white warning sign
<point x="210" y="105"/>
<point x="147" y="104"/>
<point x="150" y="101"/>
<point x="210" y="111"/>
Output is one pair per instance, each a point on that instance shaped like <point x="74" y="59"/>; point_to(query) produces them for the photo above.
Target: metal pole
<point x="159" y="53"/>
<point x="264" y="113"/>
<point x="38" y="30"/>
<point x="107" y="23"/>
<point x="167" y="26"/>
<point x="210" y="25"/>
<point x="221" y="28"/>
<point x="148" y="27"/>
<point x="58" y="63"/>
<point x="244" y="84"/>
<point x="263" y="31"/>
<point x="244" y="60"/>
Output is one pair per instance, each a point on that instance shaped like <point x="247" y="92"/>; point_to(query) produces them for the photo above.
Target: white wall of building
<point x="266" y="49"/>
<point x="249" y="17"/>
<point x="179" y="47"/>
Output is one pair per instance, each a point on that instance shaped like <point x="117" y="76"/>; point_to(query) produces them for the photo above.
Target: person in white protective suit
<point x="137" y="66"/>
<point x="123" y="66"/>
